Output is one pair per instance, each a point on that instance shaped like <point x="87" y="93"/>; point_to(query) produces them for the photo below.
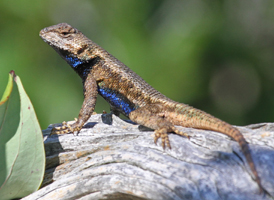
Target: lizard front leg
<point x="90" y="94"/>
<point x="153" y="116"/>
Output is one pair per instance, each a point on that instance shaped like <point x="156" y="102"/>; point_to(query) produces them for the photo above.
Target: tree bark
<point x="115" y="159"/>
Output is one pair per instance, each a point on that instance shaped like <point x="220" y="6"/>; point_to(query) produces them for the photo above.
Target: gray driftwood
<point x="114" y="159"/>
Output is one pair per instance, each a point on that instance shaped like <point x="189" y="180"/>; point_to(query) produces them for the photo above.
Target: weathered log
<point x="114" y="159"/>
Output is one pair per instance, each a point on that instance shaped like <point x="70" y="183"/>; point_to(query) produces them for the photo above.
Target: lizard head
<point x="68" y="42"/>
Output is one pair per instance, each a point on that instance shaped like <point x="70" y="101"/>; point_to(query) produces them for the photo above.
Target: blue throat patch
<point x="74" y="62"/>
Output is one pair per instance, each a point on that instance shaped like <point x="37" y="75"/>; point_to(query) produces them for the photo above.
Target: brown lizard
<point x="128" y="93"/>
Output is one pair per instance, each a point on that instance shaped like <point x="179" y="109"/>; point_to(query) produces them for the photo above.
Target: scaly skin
<point x="128" y="93"/>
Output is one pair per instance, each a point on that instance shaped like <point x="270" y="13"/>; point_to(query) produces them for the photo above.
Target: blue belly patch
<point x="117" y="100"/>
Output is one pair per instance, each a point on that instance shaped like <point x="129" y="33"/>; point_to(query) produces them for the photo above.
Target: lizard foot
<point x="162" y="132"/>
<point x="65" y="128"/>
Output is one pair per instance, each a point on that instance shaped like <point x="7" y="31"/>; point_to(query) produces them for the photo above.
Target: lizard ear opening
<point x="93" y="61"/>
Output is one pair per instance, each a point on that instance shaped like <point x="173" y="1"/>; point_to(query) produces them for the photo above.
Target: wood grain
<point x="114" y="159"/>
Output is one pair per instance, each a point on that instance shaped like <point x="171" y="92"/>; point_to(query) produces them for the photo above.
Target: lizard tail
<point x="189" y="117"/>
<point x="237" y="135"/>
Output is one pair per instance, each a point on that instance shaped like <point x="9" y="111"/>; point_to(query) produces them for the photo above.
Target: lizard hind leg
<point x="162" y="132"/>
<point x="151" y="117"/>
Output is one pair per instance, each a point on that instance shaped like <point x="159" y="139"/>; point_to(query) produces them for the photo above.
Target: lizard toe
<point x="65" y="128"/>
<point x="175" y="130"/>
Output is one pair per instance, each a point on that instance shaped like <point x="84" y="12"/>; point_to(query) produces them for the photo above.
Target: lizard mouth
<point x="47" y="37"/>
<point x="42" y="35"/>
<point x="54" y="40"/>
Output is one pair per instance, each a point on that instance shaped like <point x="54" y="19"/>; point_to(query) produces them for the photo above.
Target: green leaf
<point x="22" y="155"/>
<point x="7" y="91"/>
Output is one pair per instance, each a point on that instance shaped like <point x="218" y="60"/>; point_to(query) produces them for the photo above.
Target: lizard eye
<point x="68" y="32"/>
<point x="65" y="33"/>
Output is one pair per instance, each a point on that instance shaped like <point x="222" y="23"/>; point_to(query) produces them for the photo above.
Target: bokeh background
<point x="217" y="56"/>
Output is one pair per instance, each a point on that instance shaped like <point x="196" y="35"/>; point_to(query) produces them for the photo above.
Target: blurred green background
<point x="214" y="55"/>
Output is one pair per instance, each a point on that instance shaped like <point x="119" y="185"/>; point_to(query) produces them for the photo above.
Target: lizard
<point x="129" y="94"/>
